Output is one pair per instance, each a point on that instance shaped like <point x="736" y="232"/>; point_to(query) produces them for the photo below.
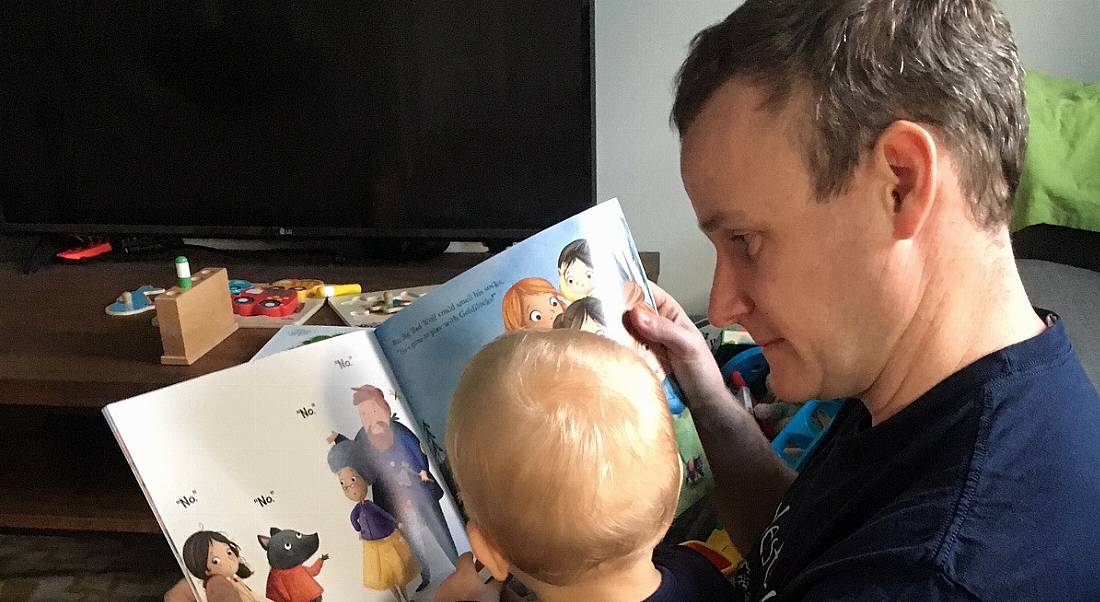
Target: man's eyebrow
<point x="710" y="224"/>
<point x="716" y="221"/>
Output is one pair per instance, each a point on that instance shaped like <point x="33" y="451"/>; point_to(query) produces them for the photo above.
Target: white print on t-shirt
<point x="771" y="546"/>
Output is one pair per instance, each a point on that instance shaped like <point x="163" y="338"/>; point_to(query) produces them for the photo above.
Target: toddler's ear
<point x="487" y="552"/>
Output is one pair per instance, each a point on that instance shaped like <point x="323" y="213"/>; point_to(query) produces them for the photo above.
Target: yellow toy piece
<point x="719" y="550"/>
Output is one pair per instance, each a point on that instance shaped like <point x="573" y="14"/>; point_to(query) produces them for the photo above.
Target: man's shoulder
<point x="1014" y="497"/>
<point x="1030" y="489"/>
<point x="993" y="468"/>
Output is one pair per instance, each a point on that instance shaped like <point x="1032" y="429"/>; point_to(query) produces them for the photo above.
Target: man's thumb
<point x="655" y="329"/>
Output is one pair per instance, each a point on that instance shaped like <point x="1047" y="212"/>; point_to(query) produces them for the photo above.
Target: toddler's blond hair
<point x="564" y="452"/>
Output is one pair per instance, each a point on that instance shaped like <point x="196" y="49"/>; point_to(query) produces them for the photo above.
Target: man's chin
<point x="787" y="386"/>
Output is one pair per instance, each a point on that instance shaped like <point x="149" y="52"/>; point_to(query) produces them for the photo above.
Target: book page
<point x="245" y="453"/>
<point x="294" y="336"/>
<point x="582" y="273"/>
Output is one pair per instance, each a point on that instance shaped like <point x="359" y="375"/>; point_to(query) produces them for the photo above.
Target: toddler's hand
<point x="466" y="585"/>
<point x="180" y="592"/>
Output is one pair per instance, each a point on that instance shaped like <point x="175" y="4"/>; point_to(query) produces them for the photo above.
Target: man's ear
<point x="487" y="552"/>
<point x="906" y="155"/>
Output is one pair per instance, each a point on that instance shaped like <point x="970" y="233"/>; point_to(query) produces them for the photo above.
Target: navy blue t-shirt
<point x="686" y="576"/>
<point x="987" y="487"/>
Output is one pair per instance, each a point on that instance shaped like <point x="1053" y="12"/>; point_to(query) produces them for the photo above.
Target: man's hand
<point x="180" y="592"/>
<point x="466" y="585"/>
<point x="688" y="354"/>
<point x="749" y="478"/>
<point x="331" y="437"/>
<point x="424" y="476"/>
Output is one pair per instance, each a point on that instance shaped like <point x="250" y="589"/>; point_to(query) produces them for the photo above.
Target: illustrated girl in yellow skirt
<point x="388" y="562"/>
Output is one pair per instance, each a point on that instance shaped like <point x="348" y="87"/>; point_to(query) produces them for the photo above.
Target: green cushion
<point x="1060" y="183"/>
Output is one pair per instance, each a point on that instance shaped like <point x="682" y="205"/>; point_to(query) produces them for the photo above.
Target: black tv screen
<point x="460" y="119"/>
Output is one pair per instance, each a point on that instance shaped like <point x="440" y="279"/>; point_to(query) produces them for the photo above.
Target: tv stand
<point x="42" y="253"/>
<point x="63" y="359"/>
<point x="403" y="249"/>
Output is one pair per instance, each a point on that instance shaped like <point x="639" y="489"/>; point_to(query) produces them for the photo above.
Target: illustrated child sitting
<point x="216" y="559"/>
<point x="388" y="563"/>
<point x="531" y="303"/>
<point x="562" y="446"/>
<point x="583" y="314"/>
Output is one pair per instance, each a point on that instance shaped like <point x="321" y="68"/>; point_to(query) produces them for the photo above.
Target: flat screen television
<point x="434" y="119"/>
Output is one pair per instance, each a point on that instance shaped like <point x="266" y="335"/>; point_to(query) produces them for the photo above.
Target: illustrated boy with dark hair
<point x="575" y="271"/>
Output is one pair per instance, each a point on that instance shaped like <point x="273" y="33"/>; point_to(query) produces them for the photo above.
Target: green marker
<point x="183" y="272"/>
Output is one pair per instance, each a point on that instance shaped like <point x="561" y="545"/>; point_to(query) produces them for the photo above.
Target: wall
<point x="1057" y="36"/>
<point x="639" y="46"/>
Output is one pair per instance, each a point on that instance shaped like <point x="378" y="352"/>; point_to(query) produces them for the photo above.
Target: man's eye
<point x="569" y="281"/>
<point x="588" y="274"/>
<point x="553" y="302"/>
<point x="744" y="244"/>
<point x="536" y="315"/>
<point x="216" y="561"/>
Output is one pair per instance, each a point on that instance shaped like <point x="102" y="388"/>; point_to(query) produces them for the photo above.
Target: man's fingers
<point x="654" y="329"/>
<point x="667" y="306"/>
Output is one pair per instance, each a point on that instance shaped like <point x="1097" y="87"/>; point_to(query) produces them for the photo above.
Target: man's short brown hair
<point x="949" y="65"/>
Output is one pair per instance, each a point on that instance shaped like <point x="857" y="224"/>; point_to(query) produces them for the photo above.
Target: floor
<point x="85" y="568"/>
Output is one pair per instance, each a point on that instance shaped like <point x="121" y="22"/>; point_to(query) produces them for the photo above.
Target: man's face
<point x="817" y="284"/>
<point x="374" y="414"/>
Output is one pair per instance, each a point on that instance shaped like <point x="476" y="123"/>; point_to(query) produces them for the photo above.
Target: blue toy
<point x="797" y="440"/>
<point x="753" y="368"/>
<point x="134" y="302"/>
<point x="237" y="286"/>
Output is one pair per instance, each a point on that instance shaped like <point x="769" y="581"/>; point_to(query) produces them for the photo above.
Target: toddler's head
<point x="563" y="449"/>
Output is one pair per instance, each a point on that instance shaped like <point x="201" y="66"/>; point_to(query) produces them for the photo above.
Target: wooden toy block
<point x="194" y="320"/>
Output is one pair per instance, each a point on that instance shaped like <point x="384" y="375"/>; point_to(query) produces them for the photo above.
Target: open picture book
<point x="321" y="470"/>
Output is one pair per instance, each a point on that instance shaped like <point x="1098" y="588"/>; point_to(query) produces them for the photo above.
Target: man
<point x="853" y="163"/>
<point x="405" y="488"/>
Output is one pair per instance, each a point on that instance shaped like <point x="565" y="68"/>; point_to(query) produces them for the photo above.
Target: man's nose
<point x="729" y="299"/>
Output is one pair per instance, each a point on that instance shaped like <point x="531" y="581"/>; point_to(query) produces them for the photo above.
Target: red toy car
<point x="271" y="302"/>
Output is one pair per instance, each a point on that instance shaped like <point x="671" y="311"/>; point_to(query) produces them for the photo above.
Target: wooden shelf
<point x="58" y="347"/>
<point x="63" y="471"/>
